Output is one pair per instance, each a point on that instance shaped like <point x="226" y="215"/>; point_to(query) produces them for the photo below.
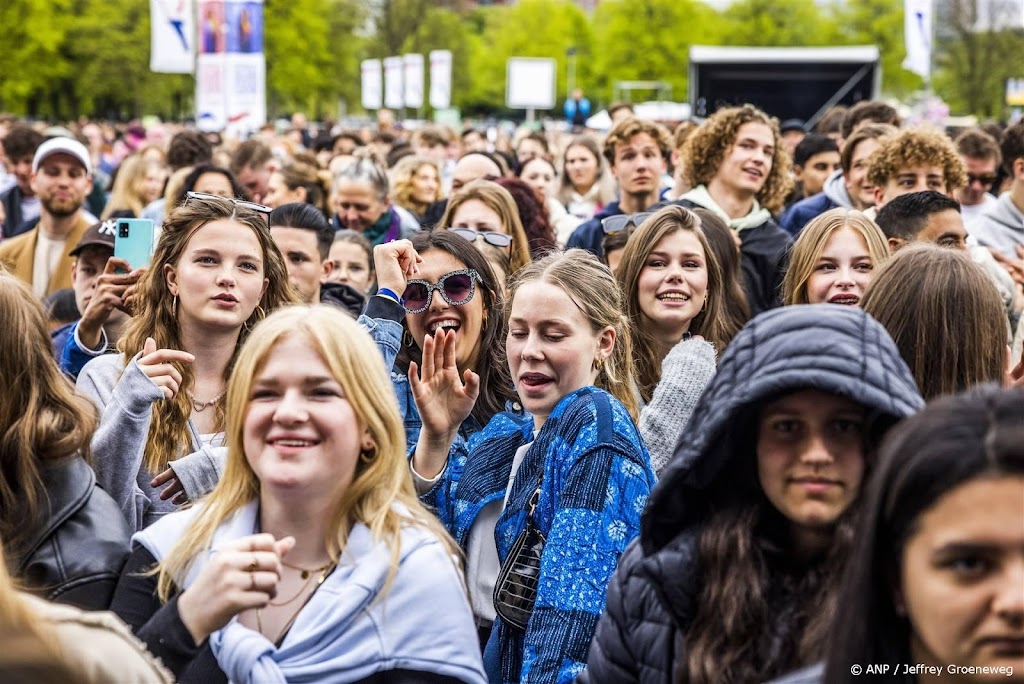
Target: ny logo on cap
<point x="108" y="227"/>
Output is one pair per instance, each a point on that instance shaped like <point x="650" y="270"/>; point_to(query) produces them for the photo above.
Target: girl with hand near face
<point x="577" y="473"/>
<point x="834" y="259"/>
<point x="674" y="296"/>
<point x="312" y="560"/>
<point x="938" y="580"/>
<point x="215" y="273"/>
<point x="731" y="579"/>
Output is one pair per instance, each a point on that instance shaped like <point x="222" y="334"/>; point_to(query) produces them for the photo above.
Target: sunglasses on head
<point x="489" y="236"/>
<point x="456" y="288"/>
<point x="986" y="179"/>
<point x="617" y="224"/>
<point x="245" y="204"/>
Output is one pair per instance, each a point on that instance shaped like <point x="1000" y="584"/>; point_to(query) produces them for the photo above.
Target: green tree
<point x="30" y="58"/>
<point x="880" y="22"/>
<point x="778" y="23"/>
<point x="649" y="40"/>
<point x="445" y="29"/>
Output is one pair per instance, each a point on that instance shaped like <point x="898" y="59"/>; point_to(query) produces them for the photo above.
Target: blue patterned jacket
<point x="596" y="480"/>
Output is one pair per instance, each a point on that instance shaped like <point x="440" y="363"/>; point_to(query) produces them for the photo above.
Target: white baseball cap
<point x="62" y="145"/>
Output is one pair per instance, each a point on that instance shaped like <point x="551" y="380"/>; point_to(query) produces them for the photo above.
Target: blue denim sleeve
<point x="382" y="319"/>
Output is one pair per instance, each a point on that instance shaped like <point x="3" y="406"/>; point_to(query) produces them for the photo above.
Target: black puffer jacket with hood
<point x="653" y="595"/>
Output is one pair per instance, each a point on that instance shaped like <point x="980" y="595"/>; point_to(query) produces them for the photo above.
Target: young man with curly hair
<point x="636" y="151"/>
<point x="914" y="160"/>
<point x="740" y="172"/>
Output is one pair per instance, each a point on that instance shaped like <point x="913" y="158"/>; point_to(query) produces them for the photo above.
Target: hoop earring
<point x="407" y="339"/>
<point x="174" y="308"/>
<point x="705" y="303"/>
<point x="263" y="314"/>
<point x="368" y="455"/>
<point x="598" y="364"/>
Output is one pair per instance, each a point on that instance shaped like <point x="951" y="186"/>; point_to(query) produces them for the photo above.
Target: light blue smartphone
<point x="133" y="241"/>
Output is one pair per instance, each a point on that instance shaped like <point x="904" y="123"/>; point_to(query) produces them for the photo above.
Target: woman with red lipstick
<point x="674" y="291"/>
<point x="834" y="259"/>
<point x="936" y="588"/>
<point x="577" y="473"/>
<point x="215" y="273"/>
<point x="731" y="579"/>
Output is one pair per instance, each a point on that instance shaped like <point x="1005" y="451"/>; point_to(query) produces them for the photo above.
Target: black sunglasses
<point x="245" y="204"/>
<point x="457" y="288"/>
<point x="489" y="236"/>
<point x="986" y="179"/>
<point x="618" y="223"/>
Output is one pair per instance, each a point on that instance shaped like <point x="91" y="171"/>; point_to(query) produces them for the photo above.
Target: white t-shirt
<point x="47" y="258"/>
<point x="973" y="212"/>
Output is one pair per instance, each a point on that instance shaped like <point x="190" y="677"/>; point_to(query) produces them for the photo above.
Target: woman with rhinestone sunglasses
<point x="485" y="213"/>
<point x="215" y="273"/>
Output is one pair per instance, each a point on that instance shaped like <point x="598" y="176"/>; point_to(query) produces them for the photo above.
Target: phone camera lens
<point x="124" y="231"/>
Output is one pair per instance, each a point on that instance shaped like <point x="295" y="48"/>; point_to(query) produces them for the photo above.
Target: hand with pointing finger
<point x="158" y="365"/>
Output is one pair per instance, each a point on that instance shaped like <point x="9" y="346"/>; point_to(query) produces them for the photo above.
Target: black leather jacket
<point x="76" y="553"/>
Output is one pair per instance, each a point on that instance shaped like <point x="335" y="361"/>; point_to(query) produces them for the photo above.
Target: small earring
<point x="598" y="364"/>
<point x="705" y="303"/>
<point x="367" y="455"/>
<point x="407" y="339"/>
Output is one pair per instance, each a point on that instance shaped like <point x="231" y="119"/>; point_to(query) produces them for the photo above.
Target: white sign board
<point x="412" y="76"/>
<point x="440" y="79"/>
<point x="172" y="49"/>
<point x="373" y="84"/>
<point x="530" y="83"/>
<point x="394" y="93"/>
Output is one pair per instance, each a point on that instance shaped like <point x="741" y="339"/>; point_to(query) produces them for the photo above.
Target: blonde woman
<point x="139" y="181"/>
<point x="312" y="560"/>
<point x="484" y="213"/>
<point x="416" y="184"/>
<point x="834" y="259"/>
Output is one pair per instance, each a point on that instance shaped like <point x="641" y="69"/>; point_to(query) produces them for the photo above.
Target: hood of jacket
<point x="832" y="348"/>
<point x="339" y="294"/>
<point x="835" y="190"/>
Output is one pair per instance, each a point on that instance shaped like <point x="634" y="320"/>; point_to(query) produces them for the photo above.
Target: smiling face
<point x="539" y="174"/>
<point x="551" y="347"/>
<point x="816" y="170"/>
<point x="581" y="166"/>
<point x="358" y="206"/>
<point x="962" y="578"/>
<point x="219" y="278"/>
<point x="748" y="161"/>
<point x="301" y="436"/>
<point x="810" y="457"/>
<point x="425" y="184"/>
<point x="466" y="320"/>
<point x="638" y="165"/>
<point x="673" y="283"/>
<point x="861" y="192"/>
<point x="843" y="270"/>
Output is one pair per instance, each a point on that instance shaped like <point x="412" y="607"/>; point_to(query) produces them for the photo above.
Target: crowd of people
<point x="736" y="402"/>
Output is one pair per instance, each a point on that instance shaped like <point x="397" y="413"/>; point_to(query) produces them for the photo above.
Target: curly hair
<point x="401" y="183"/>
<point x="534" y="215"/>
<point x="625" y="130"/>
<point x="912" y="147"/>
<point x="169" y="433"/>
<point x="709" y="144"/>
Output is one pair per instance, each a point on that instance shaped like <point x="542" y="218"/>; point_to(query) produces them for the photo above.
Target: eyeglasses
<point x="489" y="236"/>
<point x="617" y="224"/>
<point x="245" y="204"/>
<point x="986" y="179"/>
<point x="457" y="288"/>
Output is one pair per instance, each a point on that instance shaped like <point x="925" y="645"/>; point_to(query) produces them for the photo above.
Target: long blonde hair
<point x="809" y="245"/>
<point x="169" y="433"/>
<point x="125" y="193"/>
<point x="709" y="322"/>
<point x="379" y="482"/>
<point x="41" y="417"/>
<point x="592" y="287"/>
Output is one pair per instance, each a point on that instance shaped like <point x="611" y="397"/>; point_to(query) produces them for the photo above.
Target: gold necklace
<point x="306" y="572"/>
<point x="259" y="611"/>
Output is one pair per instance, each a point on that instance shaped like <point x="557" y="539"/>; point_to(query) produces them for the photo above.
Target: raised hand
<point x="393" y="263"/>
<point x="241" y="575"/>
<point x="109" y="293"/>
<point x="157" y="364"/>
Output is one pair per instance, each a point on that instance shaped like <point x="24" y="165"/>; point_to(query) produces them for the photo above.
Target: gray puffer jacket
<point x="653" y="596"/>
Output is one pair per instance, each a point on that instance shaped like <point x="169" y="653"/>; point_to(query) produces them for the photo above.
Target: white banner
<point x="394" y="92"/>
<point x="231" y="71"/>
<point x="172" y="36"/>
<point x="412" y="77"/>
<point x="530" y="83"/>
<point x="440" y="79"/>
<point x="917" y="36"/>
<point x="373" y="94"/>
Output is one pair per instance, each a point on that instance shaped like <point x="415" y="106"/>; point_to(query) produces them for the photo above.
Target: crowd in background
<point x="733" y="400"/>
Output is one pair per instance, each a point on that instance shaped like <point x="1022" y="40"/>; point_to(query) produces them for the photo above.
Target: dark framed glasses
<point x="245" y="204"/>
<point x="489" y="236"/>
<point x="456" y="288"/>
<point x="617" y="224"/>
<point x="986" y="179"/>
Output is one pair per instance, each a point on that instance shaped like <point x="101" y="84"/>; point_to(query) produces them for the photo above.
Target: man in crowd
<point x="927" y="216"/>
<point x="868" y="111"/>
<point x="914" y="160"/>
<point x="253" y="163"/>
<point x="815" y="159"/>
<point x="186" y="150"/>
<point x="61" y="177"/>
<point x="1001" y="227"/>
<point x="20" y="206"/>
<point x="472" y="166"/>
<point x="636" y="150"/>
<point x="981" y="156"/>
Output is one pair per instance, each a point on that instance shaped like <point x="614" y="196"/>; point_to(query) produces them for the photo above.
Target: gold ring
<point x="252" y="566"/>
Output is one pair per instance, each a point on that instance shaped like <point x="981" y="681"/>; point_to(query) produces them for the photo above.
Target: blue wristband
<point x="390" y="294"/>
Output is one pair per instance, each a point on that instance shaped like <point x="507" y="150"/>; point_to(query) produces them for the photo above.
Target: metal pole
<point x="570" y="80"/>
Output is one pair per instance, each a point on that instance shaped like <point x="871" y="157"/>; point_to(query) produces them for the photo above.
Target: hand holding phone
<point x="133" y="241"/>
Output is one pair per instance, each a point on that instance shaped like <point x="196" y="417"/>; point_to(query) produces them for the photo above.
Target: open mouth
<point x="677" y="297"/>
<point x="294" y="443"/>
<point x="847" y="299"/>
<point x="534" y="382"/>
<point x="444" y="324"/>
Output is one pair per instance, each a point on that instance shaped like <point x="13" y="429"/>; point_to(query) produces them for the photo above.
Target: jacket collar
<point x="67" y="485"/>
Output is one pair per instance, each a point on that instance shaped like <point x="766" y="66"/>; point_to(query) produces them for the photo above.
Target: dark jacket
<point x="652" y="598"/>
<point x="14" y="223"/>
<point x="763" y="251"/>
<point x="343" y="296"/>
<point x="590" y="235"/>
<point x="798" y="215"/>
<point x="76" y="553"/>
